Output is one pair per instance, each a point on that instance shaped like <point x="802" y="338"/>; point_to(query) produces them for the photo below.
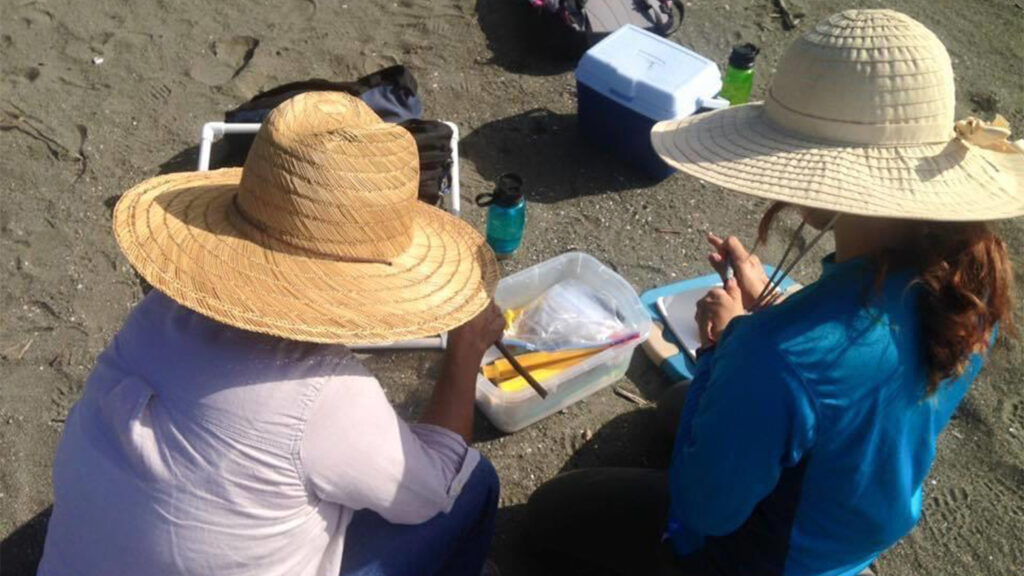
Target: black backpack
<point x="434" y="143"/>
<point x="569" y="27"/>
<point x="390" y="92"/>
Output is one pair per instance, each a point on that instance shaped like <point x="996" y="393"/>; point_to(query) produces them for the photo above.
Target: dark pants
<point x="452" y="544"/>
<point x="609" y="520"/>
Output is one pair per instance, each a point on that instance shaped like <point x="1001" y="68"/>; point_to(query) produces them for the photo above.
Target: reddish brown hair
<point x="967" y="288"/>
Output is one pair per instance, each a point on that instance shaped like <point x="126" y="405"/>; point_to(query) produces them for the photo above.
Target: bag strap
<point x="574" y="13"/>
<point x="397" y="74"/>
<point x="668" y="8"/>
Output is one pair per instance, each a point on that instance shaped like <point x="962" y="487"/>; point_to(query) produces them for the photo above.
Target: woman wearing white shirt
<point x="226" y="429"/>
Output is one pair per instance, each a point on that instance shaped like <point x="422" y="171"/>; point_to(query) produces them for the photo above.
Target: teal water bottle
<point x="506" y="215"/>
<point x="739" y="76"/>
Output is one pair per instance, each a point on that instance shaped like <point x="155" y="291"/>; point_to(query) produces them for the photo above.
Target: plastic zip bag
<point x="570" y="314"/>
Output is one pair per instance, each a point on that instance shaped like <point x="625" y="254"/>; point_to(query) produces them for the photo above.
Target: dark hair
<point x="967" y="288"/>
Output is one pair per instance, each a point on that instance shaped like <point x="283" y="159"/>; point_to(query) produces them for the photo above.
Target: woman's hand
<point x="451" y="404"/>
<point x="469" y="342"/>
<point x="716" y="310"/>
<point x="746" y="267"/>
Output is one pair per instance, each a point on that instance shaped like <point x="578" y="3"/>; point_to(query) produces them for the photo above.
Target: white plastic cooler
<point x="634" y="79"/>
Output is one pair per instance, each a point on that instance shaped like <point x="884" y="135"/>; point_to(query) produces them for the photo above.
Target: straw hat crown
<point x="873" y="77"/>
<point x="327" y="175"/>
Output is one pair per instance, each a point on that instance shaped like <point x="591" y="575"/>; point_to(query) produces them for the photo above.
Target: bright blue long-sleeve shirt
<point x="807" y="434"/>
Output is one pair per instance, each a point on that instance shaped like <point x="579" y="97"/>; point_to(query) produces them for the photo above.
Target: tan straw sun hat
<point x="318" y="238"/>
<point x="859" y="119"/>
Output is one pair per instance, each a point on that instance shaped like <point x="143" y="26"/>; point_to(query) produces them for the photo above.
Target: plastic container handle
<point x="715" y="103"/>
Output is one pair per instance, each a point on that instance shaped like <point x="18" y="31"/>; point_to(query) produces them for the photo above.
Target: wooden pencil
<point x="519" y="368"/>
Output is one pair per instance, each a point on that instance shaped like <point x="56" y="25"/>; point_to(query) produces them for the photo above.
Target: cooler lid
<point x="650" y="74"/>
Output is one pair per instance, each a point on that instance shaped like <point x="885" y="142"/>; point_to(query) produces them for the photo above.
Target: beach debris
<point x="97" y="60"/>
<point x="83" y="160"/>
<point x="20" y="121"/>
<point x="627" y="395"/>
<point x="587" y="435"/>
<point x="20" y="351"/>
<point x="789" y="19"/>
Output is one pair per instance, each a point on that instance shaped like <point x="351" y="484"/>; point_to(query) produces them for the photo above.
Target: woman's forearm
<point x="451" y="403"/>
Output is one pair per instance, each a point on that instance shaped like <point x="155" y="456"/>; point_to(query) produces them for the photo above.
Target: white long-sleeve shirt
<point x="198" y="448"/>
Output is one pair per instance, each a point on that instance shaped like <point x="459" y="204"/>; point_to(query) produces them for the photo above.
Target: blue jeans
<point x="453" y="544"/>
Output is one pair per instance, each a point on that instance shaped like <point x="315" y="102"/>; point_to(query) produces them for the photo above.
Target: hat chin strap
<point x="770" y="292"/>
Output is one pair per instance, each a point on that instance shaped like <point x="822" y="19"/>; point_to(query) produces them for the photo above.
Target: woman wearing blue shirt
<point x="811" y="421"/>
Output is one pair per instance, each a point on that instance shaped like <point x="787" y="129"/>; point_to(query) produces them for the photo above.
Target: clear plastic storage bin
<point x="512" y="411"/>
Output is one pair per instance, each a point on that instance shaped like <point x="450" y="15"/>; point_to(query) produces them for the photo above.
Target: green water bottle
<point x="739" y="76"/>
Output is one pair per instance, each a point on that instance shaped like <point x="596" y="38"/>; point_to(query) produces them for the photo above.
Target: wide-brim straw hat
<point x="859" y="119"/>
<point x="318" y="238"/>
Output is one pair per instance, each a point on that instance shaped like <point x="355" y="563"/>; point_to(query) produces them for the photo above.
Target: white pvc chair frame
<point x="215" y="130"/>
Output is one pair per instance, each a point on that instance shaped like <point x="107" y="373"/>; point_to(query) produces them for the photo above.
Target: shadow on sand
<point x="21" y="550"/>
<point x="634" y="439"/>
<point x="522" y="42"/>
<point x="546" y="149"/>
<point x="630" y="440"/>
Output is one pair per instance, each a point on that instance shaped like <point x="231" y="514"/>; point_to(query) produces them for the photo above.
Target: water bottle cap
<point x="743" y="56"/>
<point x="507" y="192"/>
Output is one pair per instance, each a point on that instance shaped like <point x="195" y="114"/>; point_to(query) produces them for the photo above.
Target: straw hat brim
<point x="740" y="149"/>
<point x="179" y="232"/>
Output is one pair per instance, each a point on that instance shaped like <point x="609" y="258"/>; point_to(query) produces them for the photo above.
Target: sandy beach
<point x="97" y="95"/>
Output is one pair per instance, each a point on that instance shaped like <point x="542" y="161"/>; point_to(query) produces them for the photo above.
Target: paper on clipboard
<point x="678" y="311"/>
